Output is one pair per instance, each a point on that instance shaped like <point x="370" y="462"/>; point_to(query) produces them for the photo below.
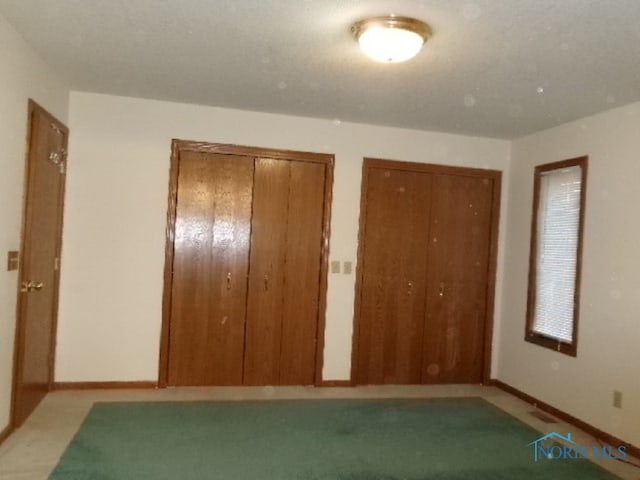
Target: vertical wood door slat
<point x="265" y="302"/>
<point x="459" y="252"/>
<point x="302" y="273"/>
<point x="394" y="274"/>
<point x="211" y="255"/>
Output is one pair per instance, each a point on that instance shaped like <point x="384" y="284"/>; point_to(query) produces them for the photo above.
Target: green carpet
<point x="439" y="439"/>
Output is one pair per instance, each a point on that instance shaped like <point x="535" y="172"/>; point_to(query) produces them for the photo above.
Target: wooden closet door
<point x="210" y="268"/>
<point x="284" y="282"/>
<point x="302" y="273"/>
<point x="459" y="253"/>
<point x="394" y="262"/>
<point x="266" y="279"/>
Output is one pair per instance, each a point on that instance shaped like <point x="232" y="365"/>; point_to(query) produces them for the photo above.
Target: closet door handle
<point x="229" y="281"/>
<point x="410" y="288"/>
<point x="441" y="291"/>
<point x="266" y="283"/>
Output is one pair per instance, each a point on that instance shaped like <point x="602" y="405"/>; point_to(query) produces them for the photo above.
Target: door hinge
<point x="63" y="160"/>
<point x="56" y="264"/>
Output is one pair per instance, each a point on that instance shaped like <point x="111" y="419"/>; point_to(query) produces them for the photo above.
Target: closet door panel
<point x="459" y="252"/>
<point x="265" y="302"/>
<point x="302" y="273"/>
<point x="391" y="316"/>
<point x="210" y="267"/>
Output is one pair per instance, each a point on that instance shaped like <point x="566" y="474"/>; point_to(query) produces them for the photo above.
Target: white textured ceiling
<point x="498" y="68"/>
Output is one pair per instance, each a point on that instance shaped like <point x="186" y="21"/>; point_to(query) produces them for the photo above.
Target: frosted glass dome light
<point x="391" y="39"/>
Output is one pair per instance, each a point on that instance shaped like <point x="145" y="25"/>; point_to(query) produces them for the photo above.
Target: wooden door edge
<point x="56" y="298"/>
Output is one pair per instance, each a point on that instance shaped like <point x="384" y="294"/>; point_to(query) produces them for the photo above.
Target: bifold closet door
<point x="210" y="268"/>
<point x="458" y="259"/>
<point x="425" y="265"/>
<point x="393" y="281"/>
<point x="284" y="279"/>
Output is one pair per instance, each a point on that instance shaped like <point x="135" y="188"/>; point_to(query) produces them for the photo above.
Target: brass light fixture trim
<point x="391" y="21"/>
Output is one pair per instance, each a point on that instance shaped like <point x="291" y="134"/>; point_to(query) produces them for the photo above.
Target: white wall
<point x="609" y="329"/>
<point x="113" y="257"/>
<point x="22" y="76"/>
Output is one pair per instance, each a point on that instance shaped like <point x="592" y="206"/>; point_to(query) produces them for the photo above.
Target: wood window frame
<point x="531" y="336"/>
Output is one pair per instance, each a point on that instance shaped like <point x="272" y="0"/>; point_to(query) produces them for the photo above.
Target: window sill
<point x="552" y="344"/>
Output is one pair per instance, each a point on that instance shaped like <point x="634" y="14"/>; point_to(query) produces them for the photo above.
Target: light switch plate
<point x="347" y="268"/>
<point x="335" y="266"/>
<point x="13" y="260"/>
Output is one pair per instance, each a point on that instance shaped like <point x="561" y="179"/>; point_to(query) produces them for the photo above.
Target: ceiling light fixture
<point x="391" y="39"/>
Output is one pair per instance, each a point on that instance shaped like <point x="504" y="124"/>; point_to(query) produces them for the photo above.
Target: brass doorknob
<point x="31" y="286"/>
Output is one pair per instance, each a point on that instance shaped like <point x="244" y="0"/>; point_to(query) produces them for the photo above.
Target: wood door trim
<point x="324" y="270"/>
<point x="258" y="152"/>
<point x="495" y="175"/>
<point x="163" y="374"/>
<point x="355" y="336"/>
<point x="18" y="350"/>
<point x="335" y="384"/>
<point x="5" y="432"/>
<point x="491" y="278"/>
<point x="430" y="168"/>
<point x="178" y="146"/>
<point x="134" y="385"/>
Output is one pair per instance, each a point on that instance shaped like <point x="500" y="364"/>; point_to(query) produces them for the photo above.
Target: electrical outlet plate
<point x="617" y="399"/>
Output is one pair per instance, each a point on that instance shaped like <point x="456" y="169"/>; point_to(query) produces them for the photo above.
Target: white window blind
<point x="558" y="225"/>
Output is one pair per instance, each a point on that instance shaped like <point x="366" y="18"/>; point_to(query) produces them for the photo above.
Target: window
<point x="555" y="257"/>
